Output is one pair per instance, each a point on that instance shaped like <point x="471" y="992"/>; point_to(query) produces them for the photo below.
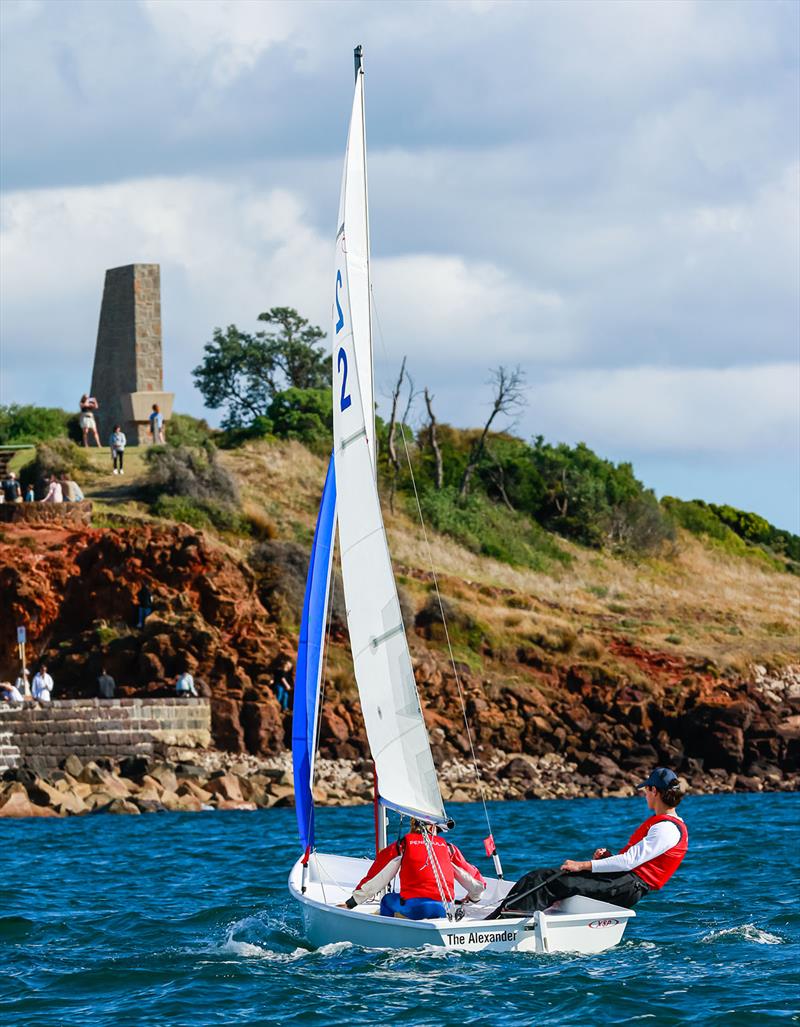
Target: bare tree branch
<point x="433" y="440"/>
<point x="393" y="419"/>
<point x="509" y="398"/>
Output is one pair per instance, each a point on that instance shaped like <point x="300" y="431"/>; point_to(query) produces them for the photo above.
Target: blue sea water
<point x="184" y="919"/>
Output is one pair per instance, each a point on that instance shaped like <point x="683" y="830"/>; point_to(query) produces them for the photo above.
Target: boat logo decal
<point x="604" y="923"/>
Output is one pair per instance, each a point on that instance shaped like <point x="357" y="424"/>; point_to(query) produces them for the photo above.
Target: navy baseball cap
<point x="661" y="778"/>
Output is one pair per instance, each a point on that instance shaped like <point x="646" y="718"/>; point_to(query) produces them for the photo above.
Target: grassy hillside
<point x="694" y="600"/>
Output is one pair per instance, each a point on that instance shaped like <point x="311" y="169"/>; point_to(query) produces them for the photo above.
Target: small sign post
<point x="21" y="640"/>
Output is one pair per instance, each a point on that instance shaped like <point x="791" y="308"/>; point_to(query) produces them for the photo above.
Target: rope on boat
<point x="447" y="900"/>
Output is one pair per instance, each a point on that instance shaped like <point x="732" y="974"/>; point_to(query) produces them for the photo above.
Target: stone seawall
<point x="41" y="735"/>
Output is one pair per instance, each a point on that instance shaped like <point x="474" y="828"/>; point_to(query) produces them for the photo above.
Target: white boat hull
<point x="578" y="924"/>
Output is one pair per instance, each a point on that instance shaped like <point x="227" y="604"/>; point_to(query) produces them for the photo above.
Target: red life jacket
<point x="656" y="872"/>
<point x="417" y="878"/>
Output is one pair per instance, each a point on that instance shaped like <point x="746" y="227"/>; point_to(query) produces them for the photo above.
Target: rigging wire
<point x="457" y="676"/>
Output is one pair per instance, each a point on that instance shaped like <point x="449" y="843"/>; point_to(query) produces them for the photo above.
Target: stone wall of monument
<point x="128" y="355"/>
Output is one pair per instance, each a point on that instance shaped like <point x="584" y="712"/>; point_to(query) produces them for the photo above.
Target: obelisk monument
<point x="128" y="377"/>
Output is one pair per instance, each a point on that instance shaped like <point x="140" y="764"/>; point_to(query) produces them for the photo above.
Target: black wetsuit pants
<point x="620" y="889"/>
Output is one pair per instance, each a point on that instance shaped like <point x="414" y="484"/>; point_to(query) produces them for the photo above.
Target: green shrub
<point x="56" y="457"/>
<point x="200" y="513"/>
<point x="490" y="529"/>
<point x="303" y="414"/>
<point x="185" y="430"/>
<point x="192" y="473"/>
<point x="31" y="424"/>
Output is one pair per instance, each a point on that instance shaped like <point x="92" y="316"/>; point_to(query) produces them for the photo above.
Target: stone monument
<point x="127" y="378"/>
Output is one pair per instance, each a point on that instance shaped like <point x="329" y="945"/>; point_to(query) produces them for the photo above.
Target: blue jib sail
<point x="309" y="658"/>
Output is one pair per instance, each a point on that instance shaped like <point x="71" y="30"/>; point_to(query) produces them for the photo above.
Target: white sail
<point x="395" y="726"/>
<point x="354" y="212"/>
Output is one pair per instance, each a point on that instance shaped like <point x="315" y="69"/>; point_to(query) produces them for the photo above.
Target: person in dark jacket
<point x="106" y="686"/>
<point x="145" y="600"/>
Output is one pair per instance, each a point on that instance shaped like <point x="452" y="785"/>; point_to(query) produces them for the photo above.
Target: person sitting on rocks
<point x="10" y="692"/>
<point x="42" y="687"/>
<point x="106" y="686"/>
<point x="653" y="854"/>
<point x="12" y="493"/>
<point x="421" y="885"/>
<point x="70" y="490"/>
<point x="54" y="492"/>
<point x="184" y="685"/>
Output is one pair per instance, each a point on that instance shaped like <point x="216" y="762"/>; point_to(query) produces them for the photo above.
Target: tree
<point x="293" y="347"/>
<point x="509" y="398"/>
<point x="243" y="372"/>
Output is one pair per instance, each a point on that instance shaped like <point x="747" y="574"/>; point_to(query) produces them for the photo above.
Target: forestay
<point x="395" y="726"/>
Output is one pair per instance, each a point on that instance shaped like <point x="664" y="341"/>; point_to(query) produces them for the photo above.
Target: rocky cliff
<point x="528" y="694"/>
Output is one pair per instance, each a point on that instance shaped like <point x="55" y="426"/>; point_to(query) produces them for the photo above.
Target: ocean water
<point x="184" y="919"/>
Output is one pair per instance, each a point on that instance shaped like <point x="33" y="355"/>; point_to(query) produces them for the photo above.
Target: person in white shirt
<point x="42" y="687"/>
<point x="652" y="855"/>
<point x="184" y="685"/>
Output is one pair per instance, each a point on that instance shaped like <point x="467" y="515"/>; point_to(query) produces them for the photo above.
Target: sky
<point x="606" y="194"/>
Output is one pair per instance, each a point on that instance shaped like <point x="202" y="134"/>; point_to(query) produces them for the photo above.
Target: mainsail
<point x="309" y="659"/>
<point x="395" y="725"/>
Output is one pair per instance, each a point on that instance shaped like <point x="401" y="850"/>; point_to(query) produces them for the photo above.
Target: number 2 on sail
<point x="340" y="321"/>
<point x="341" y="363"/>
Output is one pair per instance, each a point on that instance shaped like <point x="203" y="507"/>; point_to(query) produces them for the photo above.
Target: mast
<point x="358" y="61"/>
<point x="381" y="816"/>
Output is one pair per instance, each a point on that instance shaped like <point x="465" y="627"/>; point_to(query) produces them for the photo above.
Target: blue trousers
<point x="411" y="909"/>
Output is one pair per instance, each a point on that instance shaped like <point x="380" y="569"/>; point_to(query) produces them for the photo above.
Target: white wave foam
<point x="744" y="932"/>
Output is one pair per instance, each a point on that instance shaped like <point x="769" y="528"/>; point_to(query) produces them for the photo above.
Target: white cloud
<point x="223" y="38"/>
<point x="695" y="412"/>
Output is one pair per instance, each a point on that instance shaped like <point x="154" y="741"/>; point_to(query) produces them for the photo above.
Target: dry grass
<point x="697" y="603"/>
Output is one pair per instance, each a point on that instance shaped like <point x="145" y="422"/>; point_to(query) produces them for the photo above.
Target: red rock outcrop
<point x="76" y="593"/>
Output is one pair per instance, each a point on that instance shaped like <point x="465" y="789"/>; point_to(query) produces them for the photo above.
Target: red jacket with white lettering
<point x="656" y="872"/>
<point x="411" y="858"/>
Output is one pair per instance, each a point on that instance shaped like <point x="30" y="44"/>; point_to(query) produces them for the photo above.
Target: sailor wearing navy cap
<point x="652" y="855"/>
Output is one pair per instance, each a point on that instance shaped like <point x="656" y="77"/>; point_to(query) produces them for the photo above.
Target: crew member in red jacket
<point x="652" y="855"/>
<point x="423" y="883"/>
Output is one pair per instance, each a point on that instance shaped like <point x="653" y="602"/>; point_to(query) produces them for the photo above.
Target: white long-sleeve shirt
<point x="661" y="836"/>
<point x="42" y="687"/>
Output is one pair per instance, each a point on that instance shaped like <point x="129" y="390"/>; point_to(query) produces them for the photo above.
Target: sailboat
<point x="405" y="776"/>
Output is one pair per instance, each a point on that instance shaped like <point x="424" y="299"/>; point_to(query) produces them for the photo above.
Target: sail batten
<point x="392" y="713"/>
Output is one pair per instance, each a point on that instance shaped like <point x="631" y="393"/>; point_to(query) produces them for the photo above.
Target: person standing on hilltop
<point x="87" y="420"/>
<point x="157" y="425"/>
<point x="653" y="854"/>
<point x="42" y="687"/>
<point x="117" y="442"/>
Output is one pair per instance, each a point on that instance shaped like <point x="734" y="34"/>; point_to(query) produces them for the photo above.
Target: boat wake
<point x="744" y="932"/>
<point x="270" y="942"/>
